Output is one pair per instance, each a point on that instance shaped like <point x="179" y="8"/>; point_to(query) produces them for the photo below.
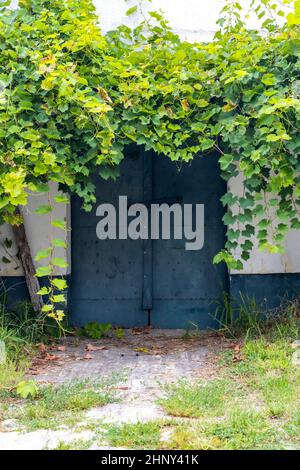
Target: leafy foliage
<point x="71" y="99"/>
<point x="96" y="330"/>
<point x="27" y="388"/>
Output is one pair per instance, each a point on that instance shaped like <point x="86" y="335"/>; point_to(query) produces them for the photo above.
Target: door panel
<point x="126" y="282"/>
<point x="107" y="275"/>
<point x="186" y="285"/>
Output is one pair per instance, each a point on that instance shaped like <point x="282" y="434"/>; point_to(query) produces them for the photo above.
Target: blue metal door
<point x="158" y="282"/>
<point x="186" y="285"/>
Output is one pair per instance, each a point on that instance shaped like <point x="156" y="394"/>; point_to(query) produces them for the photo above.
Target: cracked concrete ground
<point x="145" y="360"/>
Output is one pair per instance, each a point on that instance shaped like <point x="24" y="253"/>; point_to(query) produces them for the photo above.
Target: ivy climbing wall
<point x="194" y="20"/>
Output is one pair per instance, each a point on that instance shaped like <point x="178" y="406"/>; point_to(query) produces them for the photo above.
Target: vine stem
<point x="27" y="264"/>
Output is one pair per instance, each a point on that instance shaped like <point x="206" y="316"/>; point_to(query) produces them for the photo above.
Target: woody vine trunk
<point x="26" y="260"/>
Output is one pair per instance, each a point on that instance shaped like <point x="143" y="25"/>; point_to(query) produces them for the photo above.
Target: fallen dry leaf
<point x="143" y="350"/>
<point x="51" y="357"/>
<point x="230" y="345"/>
<point x="91" y="347"/>
<point x="55" y="347"/>
<point x="140" y="330"/>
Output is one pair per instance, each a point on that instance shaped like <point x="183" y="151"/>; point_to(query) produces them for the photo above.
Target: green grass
<point x="10" y="375"/>
<point x="239" y="429"/>
<point x="244" y="429"/>
<point x="198" y="399"/>
<point x="255" y="407"/>
<point x="243" y="317"/>
<point x="63" y="404"/>
<point x="24" y="322"/>
<point x="16" y="347"/>
<point x="20" y="330"/>
<point x="76" y="444"/>
<point x="255" y="402"/>
<point x="18" y="358"/>
<point x="135" y="436"/>
<point x="292" y="428"/>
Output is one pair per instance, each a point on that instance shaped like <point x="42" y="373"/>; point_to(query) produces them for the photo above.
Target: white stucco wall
<point x="39" y="233"/>
<point x="194" y="20"/>
<point x="265" y="262"/>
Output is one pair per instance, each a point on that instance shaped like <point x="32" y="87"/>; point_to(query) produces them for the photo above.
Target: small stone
<point x="296" y="344"/>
